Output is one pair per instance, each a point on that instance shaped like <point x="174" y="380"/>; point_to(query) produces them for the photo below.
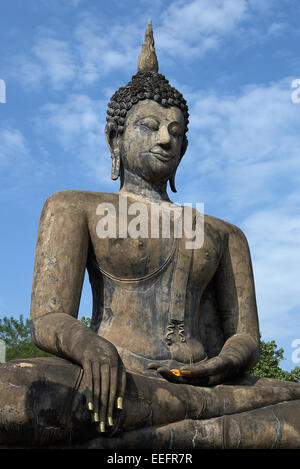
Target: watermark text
<point x="296" y="353"/>
<point x="2" y="91"/>
<point x="295" y="96"/>
<point x="154" y="220"/>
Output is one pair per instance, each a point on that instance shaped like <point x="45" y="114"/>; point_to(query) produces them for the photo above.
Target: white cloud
<point x="192" y="28"/>
<point x="78" y="126"/>
<point x="95" y="48"/>
<point x="22" y="162"/>
<point x="246" y="145"/>
<point x="50" y="59"/>
<point x="13" y="148"/>
<point x="274" y="237"/>
<point x="56" y="59"/>
<point x="276" y="29"/>
<point x="103" y="48"/>
<point x="27" y="71"/>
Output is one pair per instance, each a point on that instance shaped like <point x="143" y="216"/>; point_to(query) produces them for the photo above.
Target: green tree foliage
<point x="86" y="321"/>
<point x="17" y="337"/>
<point x="268" y="365"/>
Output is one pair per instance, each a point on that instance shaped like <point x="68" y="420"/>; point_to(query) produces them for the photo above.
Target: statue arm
<point x="235" y="293"/>
<point x="60" y="261"/>
<point x="237" y="301"/>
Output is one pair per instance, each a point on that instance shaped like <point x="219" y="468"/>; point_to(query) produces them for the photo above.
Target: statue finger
<point x="122" y="387"/>
<point x="88" y="379"/>
<point x="113" y="385"/>
<point x="105" y="385"/>
<point x="168" y="375"/>
<point x="207" y="368"/>
<point x="153" y="366"/>
<point x="96" y="382"/>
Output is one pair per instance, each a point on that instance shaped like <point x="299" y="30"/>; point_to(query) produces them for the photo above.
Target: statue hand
<point x="216" y="370"/>
<point x="105" y="380"/>
<point x="208" y="372"/>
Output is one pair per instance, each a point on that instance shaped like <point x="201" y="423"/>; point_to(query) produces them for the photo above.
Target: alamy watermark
<point x="154" y="220"/>
<point x="295" y="96"/>
<point x="2" y="92"/>
<point x="296" y="353"/>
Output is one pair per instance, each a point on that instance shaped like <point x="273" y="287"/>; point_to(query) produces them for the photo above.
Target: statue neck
<point x="136" y="186"/>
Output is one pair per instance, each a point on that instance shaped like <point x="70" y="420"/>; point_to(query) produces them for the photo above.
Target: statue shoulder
<point x="74" y="201"/>
<point x="223" y="227"/>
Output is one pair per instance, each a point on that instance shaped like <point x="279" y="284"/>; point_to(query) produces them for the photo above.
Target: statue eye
<point x="176" y="133"/>
<point x="175" y="130"/>
<point x="149" y="123"/>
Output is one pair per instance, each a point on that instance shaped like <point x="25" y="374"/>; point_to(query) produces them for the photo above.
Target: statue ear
<point x="113" y="145"/>
<point x="184" y="146"/>
<point x="183" y="150"/>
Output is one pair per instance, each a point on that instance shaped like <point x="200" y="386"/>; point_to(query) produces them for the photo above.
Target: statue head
<point x="147" y="117"/>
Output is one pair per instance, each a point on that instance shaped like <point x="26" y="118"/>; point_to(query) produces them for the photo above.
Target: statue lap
<point x="44" y="405"/>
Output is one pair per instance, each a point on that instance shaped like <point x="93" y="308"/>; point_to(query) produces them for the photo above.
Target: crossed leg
<point x="42" y="402"/>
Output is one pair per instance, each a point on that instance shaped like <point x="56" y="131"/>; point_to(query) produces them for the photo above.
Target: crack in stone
<point x="278" y="432"/>
<point x="194" y="437"/>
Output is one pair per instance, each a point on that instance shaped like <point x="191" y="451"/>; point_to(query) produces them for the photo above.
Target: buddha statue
<point x="174" y="329"/>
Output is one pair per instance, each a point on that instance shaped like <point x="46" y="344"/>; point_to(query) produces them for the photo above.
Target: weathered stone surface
<point x="158" y="304"/>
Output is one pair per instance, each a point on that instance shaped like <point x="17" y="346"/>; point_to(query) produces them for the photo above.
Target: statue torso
<point x="134" y="281"/>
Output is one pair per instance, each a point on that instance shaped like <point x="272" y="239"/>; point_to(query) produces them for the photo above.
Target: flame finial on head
<point x="147" y="61"/>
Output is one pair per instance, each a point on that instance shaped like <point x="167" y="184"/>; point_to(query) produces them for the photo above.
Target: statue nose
<point x="164" y="137"/>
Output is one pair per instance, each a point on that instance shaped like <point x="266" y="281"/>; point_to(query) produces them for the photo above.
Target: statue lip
<point x="162" y="155"/>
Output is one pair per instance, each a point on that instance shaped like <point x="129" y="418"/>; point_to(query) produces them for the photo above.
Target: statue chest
<point x="127" y="238"/>
<point x="133" y="259"/>
<point x="128" y="258"/>
<point x="138" y="254"/>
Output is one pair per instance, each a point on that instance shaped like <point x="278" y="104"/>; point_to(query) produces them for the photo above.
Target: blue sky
<point x="233" y="60"/>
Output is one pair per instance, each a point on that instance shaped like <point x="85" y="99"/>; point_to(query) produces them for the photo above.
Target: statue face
<point x="152" y="140"/>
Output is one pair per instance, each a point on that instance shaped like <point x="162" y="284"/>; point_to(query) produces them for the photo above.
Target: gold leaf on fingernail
<point x="90" y="406"/>
<point x="102" y="427"/>
<point x="120" y="403"/>
<point x="110" y="421"/>
<point x="186" y="372"/>
<point x="96" y="417"/>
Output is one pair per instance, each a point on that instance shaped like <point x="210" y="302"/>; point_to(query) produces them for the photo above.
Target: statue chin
<point x="166" y="363"/>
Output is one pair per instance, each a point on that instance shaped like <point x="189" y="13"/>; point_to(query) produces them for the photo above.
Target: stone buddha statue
<point x="174" y="328"/>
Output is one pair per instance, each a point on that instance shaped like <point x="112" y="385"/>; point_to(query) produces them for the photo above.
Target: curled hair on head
<point x="144" y="85"/>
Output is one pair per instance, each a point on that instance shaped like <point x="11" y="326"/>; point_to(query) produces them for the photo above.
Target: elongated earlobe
<point x="111" y="139"/>
<point x="172" y="178"/>
<point x="115" y="170"/>
<point x="172" y="182"/>
<point x="184" y="146"/>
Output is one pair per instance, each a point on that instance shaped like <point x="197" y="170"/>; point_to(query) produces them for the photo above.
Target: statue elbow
<point x="33" y="332"/>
